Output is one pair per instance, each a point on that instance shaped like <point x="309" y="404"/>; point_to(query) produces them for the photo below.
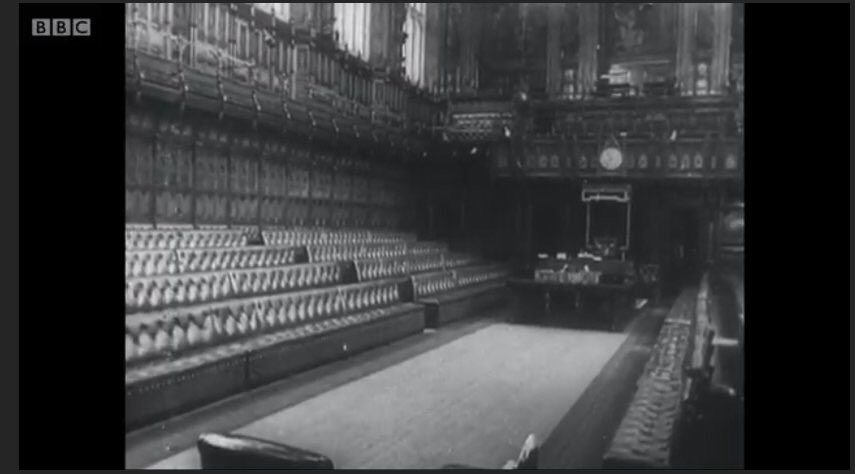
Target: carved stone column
<point x="380" y="24"/>
<point x="464" y="26"/>
<point x="720" y="71"/>
<point x="397" y="15"/>
<point x="302" y="15"/>
<point x="451" y="55"/>
<point x="433" y="45"/>
<point x="686" y="15"/>
<point x="326" y="20"/>
<point x="589" y="35"/>
<point x="469" y="32"/>
<point x="553" y="48"/>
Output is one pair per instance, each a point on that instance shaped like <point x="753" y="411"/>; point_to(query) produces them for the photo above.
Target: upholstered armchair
<point x="218" y="451"/>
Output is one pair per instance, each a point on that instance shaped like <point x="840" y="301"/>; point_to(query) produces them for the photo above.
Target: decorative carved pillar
<point x="302" y="15"/>
<point x="380" y="24"/>
<point x="555" y="20"/>
<point x="454" y="12"/>
<point x="433" y="45"/>
<point x="475" y="40"/>
<point x="686" y="16"/>
<point x="326" y="20"/>
<point x="589" y="33"/>
<point x="443" y="47"/>
<point x="722" y="20"/>
<point x="397" y="15"/>
<point x="468" y="27"/>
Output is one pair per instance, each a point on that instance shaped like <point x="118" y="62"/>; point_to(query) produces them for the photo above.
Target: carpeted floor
<point x="582" y="437"/>
<point x="471" y="401"/>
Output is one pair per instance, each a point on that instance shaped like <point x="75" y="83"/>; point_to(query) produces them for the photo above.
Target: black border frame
<point x="72" y="132"/>
<point x="72" y="395"/>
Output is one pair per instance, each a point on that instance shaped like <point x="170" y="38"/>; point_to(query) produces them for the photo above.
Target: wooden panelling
<point x="274" y="184"/>
<point x="138" y="178"/>
<point x="643" y="159"/>
<point x="173" y="172"/>
<point x="194" y="171"/>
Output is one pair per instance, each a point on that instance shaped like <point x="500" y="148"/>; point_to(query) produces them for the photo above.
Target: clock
<point x="611" y="158"/>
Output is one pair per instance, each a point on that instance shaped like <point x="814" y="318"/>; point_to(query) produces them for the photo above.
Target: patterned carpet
<point x="471" y="401"/>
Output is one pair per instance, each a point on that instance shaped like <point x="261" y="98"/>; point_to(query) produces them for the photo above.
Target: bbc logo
<point x="61" y="27"/>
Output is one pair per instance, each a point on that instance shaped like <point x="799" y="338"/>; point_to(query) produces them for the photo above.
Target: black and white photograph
<point x="418" y="236"/>
<point x="434" y="235"/>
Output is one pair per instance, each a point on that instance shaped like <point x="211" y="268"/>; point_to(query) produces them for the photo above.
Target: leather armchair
<point x="219" y="451"/>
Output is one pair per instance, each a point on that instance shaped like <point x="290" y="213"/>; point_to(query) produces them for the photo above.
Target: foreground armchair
<point x="218" y="451"/>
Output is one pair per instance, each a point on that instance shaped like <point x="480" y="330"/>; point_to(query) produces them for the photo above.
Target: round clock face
<point x="611" y="158"/>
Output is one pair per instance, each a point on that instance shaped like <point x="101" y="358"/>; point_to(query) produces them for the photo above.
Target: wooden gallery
<point x="434" y="235"/>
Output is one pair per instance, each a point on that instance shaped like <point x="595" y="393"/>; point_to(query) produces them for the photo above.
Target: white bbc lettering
<point x="82" y="27"/>
<point x="61" y="27"/>
<point x="41" y="27"/>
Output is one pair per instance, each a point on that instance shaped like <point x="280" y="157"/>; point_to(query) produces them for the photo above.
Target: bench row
<point x="172" y="262"/>
<point x="177" y="365"/>
<point x="165" y="291"/>
<point x="169" y="333"/>
<point x="429" y="284"/>
<point x="159" y="390"/>
<point x="239" y="295"/>
<point x="371" y="269"/>
<point x="327" y="253"/>
<point x="165" y="239"/>
<point x="148" y="263"/>
<point x="320" y="237"/>
<point x="647" y="434"/>
<point x="151" y="293"/>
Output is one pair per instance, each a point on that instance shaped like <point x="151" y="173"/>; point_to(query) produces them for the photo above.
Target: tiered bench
<point x="449" y="295"/>
<point x="208" y="316"/>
